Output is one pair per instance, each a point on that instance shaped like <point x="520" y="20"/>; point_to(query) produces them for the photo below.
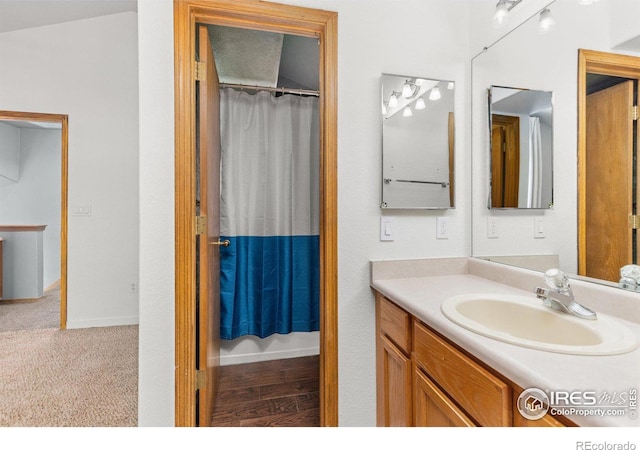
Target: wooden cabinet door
<point x="394" y="402"/>
<point x="432" y="408"/>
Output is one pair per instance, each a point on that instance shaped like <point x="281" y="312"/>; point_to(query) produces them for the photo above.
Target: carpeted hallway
<point x="65" y="378"/>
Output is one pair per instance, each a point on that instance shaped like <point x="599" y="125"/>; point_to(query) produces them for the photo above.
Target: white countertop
<point x="422" y="295"/>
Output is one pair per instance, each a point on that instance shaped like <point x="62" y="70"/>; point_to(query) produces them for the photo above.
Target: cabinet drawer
<point x="485" y="397"/>
<point x="395" y="323"/>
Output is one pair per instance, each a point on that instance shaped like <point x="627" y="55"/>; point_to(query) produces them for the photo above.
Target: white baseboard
<point x="229" y="360"/>
<point x="246" y="349"/>
<point x="103" y="322"/>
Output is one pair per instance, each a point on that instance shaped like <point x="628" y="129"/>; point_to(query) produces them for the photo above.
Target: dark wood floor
<point x="280" y="393"/>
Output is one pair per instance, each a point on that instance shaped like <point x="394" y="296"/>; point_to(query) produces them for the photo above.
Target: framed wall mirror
<point x="521" y="148"/>
<point x="417" y="142"/>
<point x="589" y="45"/>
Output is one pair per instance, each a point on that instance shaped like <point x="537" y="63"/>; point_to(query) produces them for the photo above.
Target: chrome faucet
<point x="561" y="296"/>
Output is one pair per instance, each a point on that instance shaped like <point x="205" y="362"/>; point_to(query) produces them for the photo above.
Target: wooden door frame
<point x="603" y="63"/>
<point x="63" y="120"/>
<point x="511" y="125"/>
<point x="264" y="16"/>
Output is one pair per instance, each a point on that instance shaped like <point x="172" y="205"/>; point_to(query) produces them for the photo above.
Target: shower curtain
<point x="269" y="209"/>
<point x="534" y="199"/>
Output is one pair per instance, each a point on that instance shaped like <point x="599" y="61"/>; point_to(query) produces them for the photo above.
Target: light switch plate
<point x="81" y="211"/>
<point x="492" y="227"/>
<point x="387" y="228"/>
<point x="442" y="228"/>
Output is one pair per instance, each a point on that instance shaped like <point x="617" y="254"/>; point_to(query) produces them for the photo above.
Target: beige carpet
<point x="28" y="315"/>
<point x="69" y="378"/>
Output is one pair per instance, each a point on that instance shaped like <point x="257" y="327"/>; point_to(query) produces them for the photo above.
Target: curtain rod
<point x="272" y="89"/>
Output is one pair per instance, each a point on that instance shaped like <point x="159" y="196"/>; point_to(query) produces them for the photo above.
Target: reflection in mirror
<point x="521" y="133"/>
<point x="550" y="62"/>
<point x="607" y="147"/>
<point x="417" y="143"/>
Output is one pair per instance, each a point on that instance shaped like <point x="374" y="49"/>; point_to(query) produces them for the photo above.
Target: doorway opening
<point x="277" y="18"/>
<point x="607" y="163"/>
<point x="28" y="120"/>
<point x="269" y="214"/>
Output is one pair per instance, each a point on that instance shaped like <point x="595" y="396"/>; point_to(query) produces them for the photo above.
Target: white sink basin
<point x="524" y="321"/>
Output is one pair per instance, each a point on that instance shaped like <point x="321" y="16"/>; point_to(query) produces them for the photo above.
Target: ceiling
<point x="295" y="64"/>
<point x="22" y="14"/>
<point x="260" y="58"/>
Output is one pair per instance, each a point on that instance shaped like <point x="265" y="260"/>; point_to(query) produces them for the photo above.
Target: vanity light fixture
<point x="410" y="89"/>
<point x="407" y="112"/>
<point x="393" y="100"/>
<point x="384" y="108"/>
<point x="420" y="103"/>
<point x="502" y="10"/>
<point x="546" y="21"/>
<point x="450" y="85"/>
<point x="435" y="93"/>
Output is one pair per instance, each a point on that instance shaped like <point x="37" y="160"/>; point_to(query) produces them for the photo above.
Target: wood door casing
<point x="209" y="273"/>
<point x="63" y="121"/>
<point x="609" y="187"/>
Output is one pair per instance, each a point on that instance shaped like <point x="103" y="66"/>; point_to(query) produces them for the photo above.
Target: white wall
<point x="35" y="198"/>
<point x="9" y="155"/>
<point x="625" y="14"/>
<point x="433" y="42"/>
<point x="156" y="369"/>
<point x="88" y="70"/>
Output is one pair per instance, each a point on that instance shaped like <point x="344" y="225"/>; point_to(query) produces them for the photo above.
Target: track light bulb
<point x="502" y="9"/>
<point x="546" y="21"/>
<point x="407" y="91"/>
<point x="393" y="101"/>
<point x="435" y="93"/>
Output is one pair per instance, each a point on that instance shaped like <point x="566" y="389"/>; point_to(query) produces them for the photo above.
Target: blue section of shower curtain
<point x="269" y="284"/>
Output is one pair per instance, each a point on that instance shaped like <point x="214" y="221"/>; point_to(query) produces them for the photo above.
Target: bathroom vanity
<point x="433" y="372"/>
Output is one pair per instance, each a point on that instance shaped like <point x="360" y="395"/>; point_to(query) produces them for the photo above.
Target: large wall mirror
<point x="417" y="142"/>
<point x="583" y="181"/>
<point x="521" y="148"/>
